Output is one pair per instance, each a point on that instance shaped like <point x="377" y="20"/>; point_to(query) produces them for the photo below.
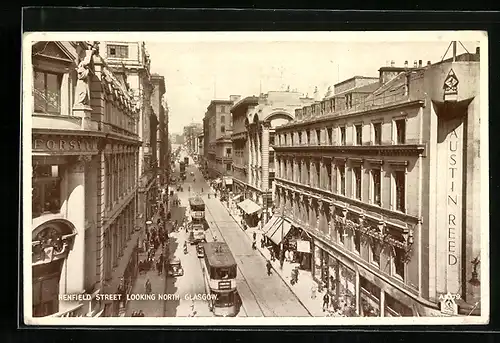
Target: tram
<point x="219" y="272"/>
<point x="196" y="227"/>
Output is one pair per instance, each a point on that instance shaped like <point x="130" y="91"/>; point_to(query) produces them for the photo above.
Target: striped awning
<point x="248" y="206"/>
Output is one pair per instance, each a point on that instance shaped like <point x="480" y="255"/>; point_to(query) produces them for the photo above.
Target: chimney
<point x="415" y="64"/>
<point x="393" y="63"/>
<point x="428" y="63"/>
<point x="420" y="63"/>
<point x="406" y="64"/>
<point x="477" y="51"/>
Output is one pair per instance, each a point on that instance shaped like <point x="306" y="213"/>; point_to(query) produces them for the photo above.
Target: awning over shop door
<point x="270" y="224"/>
<point x="280" y="229"/>
<point x="248" y="206"/>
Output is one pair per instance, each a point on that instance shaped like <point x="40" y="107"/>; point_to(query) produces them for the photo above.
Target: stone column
<point x="357" y="295"/>
<point x="265" y="168"/>
<point x="76" y="215"/>
<point x="319" y="222"/>
<point x="331" y="226"/>
<point x="250" y="158"/>
<point x="310" y="210"/>
<point x="301" y="208"/>
<point x="312" y="172"/>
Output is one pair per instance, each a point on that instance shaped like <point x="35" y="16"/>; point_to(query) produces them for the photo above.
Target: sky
<point x="198" y="71"/>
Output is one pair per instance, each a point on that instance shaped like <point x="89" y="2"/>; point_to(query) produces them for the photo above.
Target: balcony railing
<point x="76" y="311"/>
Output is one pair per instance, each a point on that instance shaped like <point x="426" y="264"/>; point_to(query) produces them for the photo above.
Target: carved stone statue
<point x="82" y="89"/>
<point x="328" y="92"/>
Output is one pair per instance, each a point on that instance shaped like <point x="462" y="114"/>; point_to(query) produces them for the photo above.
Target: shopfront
<point x="337" y="277"/>
<point x="300" y="243"/>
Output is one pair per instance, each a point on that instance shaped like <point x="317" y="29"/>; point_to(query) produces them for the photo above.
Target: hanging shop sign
<point x="303" y="246"/>
<point x="64" y="145"/>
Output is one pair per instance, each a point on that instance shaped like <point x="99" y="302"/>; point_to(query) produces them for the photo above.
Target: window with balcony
<point x="376" y="187"/>
<point x="400" y="131"/>
<point x="329" y="132"/>
<point x="318" y="137"/>
<point x="47" y="92"/>
<point x="377" y="133"/>
<point x="357" y="182"/>
<point x="357" y="241"/>
<point x="328" y="182"/>
<point x="341" y="173"/>
<point x="375" y="252"/>
<point x="342" y="135"/>
<point x="359" y="134"/>
<point x="118" y="51"/>
<point x="46" y="191"/>
<point x="399" y="183"/>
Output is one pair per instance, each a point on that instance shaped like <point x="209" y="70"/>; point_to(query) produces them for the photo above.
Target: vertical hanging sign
<point x="454" y="143"/>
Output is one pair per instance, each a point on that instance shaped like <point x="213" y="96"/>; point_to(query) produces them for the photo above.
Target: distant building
<point x="253" y="162"/>
<point x="218" y="123"/>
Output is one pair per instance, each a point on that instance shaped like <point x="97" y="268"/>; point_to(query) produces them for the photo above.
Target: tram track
<point x="239" y="269"/>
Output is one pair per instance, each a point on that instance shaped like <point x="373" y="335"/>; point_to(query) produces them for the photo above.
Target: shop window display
<point x="370" y="298"/>
<point x="394" y="308"/>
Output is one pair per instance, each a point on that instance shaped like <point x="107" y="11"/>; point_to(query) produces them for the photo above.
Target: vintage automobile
<point x="200" y="251"/>
<point x="175" y="267"/>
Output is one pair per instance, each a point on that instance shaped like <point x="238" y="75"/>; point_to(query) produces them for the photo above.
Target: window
<point x="308" y="137"/>
<point x="223" y="110"/>
<point x="341" y="170"/>
<point x="359" y="134"/>
<point x="228" y="167"/>
<point x="46" y="190"/>
<point x="271" y="140"/>
<point x="228" y="152"/>
<point x="342" y="233"/>
<point x="222" y="129"/>
<point x="348" y="100"/>
<point x="318" y="137"/>
<point x="271" y="160"/>
<point x="357" y="182"/>
<point x="222" y="120"/>
<point x="330" y="138"/>
<point x="399" y="264"/>
<point x="394" y="308"/>
<point x="342" y="135"/>
<point x="375" y="252"/>
<point x="357" y="241"/>
<point x="376" y="187"/>
<point x="118" y="51"/>
<point x="400" y="131"/>
<point x="329" y="176"/>
<point x="224" y="299"/>
<point x="377" y="133"/>
<point x="399" y="180"/>
<point x="47" y="92"/>
<point x="333" y="104"/>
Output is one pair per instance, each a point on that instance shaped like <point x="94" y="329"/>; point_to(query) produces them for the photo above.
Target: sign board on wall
<point x="303" y="246"/>
<point x="64" y="145"/>
<point x="454" y="194"/>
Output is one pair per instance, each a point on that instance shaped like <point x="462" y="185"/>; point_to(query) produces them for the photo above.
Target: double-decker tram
<point x="219" y="271"/>
<point x="196" y="228"/>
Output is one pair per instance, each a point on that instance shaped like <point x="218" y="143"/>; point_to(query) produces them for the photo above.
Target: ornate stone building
<point x="382" y="181"/>
<point x="85" y="151"/>
<point x="218" y="125"/>
<point x="130" y="62"/>
<point x="253" y="163"/>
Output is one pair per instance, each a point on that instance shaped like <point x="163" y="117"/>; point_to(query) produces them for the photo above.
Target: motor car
<point x="175" y="267"/>
<point x="200" y="251"/>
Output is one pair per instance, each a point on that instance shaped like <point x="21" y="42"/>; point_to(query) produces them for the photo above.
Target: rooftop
<point x="219" y="255"/>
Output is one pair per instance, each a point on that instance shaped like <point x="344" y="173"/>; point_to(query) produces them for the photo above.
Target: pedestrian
<point x="281" y="263"/>
<point x="254" y="245"/>
<point x="148" y="286"/>
<point x="254" y="235"/>
<point x="262" y="242"/>
<point x="326" y="301"/>
<point x="268" y="266"/>
<point x="313" y="291"/>
<point x="287" y="255"/>
<point x="273" y="255"/>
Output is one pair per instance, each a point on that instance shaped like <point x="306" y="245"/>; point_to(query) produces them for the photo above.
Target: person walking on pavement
<point x="313" y="290"/>
<point x="326" y="301"/>
<point x="254" y="245"/>
<point x="148" y="286"/>
<point x="268" y="266"/>
<point x="254" y="235"/>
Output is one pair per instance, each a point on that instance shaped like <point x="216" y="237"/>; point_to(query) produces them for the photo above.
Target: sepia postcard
<point x="255" y="178"/>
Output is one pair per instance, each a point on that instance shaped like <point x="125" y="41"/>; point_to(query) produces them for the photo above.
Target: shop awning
<point x="270" y="224"/>
<point x="237" y="196"/>
<point x="279" y="231"/>
<point x="248" y="206"/>
<point x="228" y="181"/>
